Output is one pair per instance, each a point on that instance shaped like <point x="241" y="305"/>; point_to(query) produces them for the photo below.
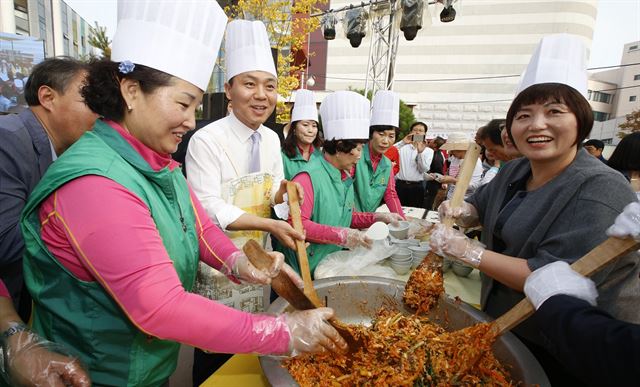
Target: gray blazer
<point x="563" y="220"/>
<point x="25" y="154"/>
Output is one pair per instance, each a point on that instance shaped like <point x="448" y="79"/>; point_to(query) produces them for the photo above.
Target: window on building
<point x="600" y="116"/>
<point x="632" y="98"/>
<point x="632" y="48"/>
<point x="636" y="77"/>
<point x="598" y="96"/>
<point x="589" y="92"/>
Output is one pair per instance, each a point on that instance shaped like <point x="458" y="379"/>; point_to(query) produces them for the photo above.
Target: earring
<point x="129" y="109"/>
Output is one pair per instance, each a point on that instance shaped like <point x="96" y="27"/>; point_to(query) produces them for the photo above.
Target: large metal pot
<point x="356" y="299"/>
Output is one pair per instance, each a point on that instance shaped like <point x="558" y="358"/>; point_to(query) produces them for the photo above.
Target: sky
<point x="617" y="23"/>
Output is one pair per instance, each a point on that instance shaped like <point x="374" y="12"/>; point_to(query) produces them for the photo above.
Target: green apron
<point x="297" y="163"/>
<point x="370" y="185"/>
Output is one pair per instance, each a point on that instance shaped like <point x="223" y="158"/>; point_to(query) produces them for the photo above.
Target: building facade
<point x="63" y="31"/>
<point x="459" y="75"/>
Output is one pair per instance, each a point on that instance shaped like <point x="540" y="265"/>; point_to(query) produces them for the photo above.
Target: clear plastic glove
<point x="243" y="270"/>
<point x="29" y="360"/>
<point x="352" y="238"/>
<point x="451" y="243"/>
<point x="310" y="332"/>
<point x="466" y="215"/>
<point x="627" y="224"/>
<point x="388" y="218"/>
<point x="558" y="278"/>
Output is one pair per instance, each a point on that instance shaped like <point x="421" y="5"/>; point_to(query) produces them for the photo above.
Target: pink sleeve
<point x="3" y="290"/>
<point x="315" y="232"/>
<point x="391" y="197"/>
<point x="362" y="219"/>
<point x="85" y="217"/>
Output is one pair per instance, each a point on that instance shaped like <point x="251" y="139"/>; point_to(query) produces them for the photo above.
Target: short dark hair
<point x="419" y="123"/>
<point x="558" y="92"/>
<point x="626" y="156"/>
<point x="345" y="146"/>
<point x="382" y="128"/>
<point x="102" y="89"/>
<point x="492" y="131"/>
<point x="439" y="141"/>
<point x="289" y="143"/>
<point x="55" y="73"/>
<point x="598" y="144"/>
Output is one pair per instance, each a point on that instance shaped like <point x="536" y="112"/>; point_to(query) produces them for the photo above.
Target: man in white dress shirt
<point x="415" y="159"/>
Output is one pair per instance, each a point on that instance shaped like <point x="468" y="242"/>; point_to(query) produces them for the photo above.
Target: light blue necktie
<point x="254" y="161"/>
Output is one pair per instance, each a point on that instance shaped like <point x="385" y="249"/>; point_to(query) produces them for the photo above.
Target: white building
<point x="63" y="31"/>
<point x="491" y="40"/>
<point x="615" y="93"/>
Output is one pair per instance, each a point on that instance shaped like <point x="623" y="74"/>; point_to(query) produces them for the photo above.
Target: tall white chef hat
<point x="559" y="58"/>
<point x="386" y="109"/>
<point x="247" y="48"/>
<point x="181" y="38"/>
<point x="345" y="115"/>
<point x="305" y="106"/>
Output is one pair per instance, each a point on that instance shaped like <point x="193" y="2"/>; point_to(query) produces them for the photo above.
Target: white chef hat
<point x="247" y="48"/>
<point x="181" y="38"/>
<point x="305" y="106"/>
<point x="386" y="109"/>
<point x="345" y="115"/>
<point x="559" y="58"/>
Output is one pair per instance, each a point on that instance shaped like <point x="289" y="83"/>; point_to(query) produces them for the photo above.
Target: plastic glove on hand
<point x="451" y="243"/>
<point x="627" y="223"/>
<point x="466" y="215"/>
<point x="244" y="270"/>
<point x="33" y="361"/>
<point x="388" y="218"/>
<point x="558" y="278"/>
<point x="310" y="332"/>
<point x="352" y="238"/>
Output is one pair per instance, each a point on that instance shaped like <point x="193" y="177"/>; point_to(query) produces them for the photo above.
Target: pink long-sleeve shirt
<point x="390" y="197"/>
<point x="102" y="232"/>
<point x="322" y="233"/>
<point x="3" y="290"/>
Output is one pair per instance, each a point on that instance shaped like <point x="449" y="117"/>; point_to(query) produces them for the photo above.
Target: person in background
<point x="554" y="204"/>
<point x="597" y="348"/>
<point x="303" y="142"/>
<point x="457" y="145"/>
<point x="328" y="212"/>
<point x="595" y="148"/>
<point x="415" y="159"/>
<point x="490" y="136"/>
<point x="29" y="142"/>
<point x="117" y="232"/>
<point x="438" y="166"/>
<point x="373" y="176"/>
<point x="626" y="160"/>
<point x="393" y="156"/>
<point x="28" y="359"/>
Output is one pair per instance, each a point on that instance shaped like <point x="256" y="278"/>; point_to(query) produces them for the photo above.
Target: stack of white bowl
<point x="401" y="260"/>
<point x="418" y="253"/>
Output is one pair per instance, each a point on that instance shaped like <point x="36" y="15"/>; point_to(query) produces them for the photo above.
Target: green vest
<point x="370" y="185"/>
<point x="82" y="315"/>
<point x="297" y="163"/>
<point x="332" y="206"/>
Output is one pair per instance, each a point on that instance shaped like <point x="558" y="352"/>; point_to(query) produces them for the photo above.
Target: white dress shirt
<point x="412" y="164"/>
<point x="219" y="153"/>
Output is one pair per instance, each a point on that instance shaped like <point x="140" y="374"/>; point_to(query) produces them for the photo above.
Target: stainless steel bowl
<point x="355" y="300"/>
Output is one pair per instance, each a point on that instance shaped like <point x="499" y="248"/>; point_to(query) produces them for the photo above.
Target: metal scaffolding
<point x="383" y="47"/>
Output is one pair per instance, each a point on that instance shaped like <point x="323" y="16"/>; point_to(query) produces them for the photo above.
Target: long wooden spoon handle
<point x="593" y="261"/>
<point x="464" y="177"/>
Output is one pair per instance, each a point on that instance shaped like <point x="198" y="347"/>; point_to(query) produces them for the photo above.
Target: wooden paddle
<point x="464" y="177"/>
<point x="301" y="249"/>
<point x="285" y="288"/>
<point x="593" y="261"/>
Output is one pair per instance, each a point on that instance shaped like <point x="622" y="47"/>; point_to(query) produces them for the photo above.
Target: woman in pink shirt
<point x="117" y="232"/>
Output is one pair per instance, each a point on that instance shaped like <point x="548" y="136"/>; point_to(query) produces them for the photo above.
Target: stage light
<point x="328" y="24"/>
<point x="448" y="13"/>
<point x="355" y="21"/>
<point x="411" y="20"/>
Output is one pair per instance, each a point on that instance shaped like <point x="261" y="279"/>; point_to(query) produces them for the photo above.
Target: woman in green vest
<point x="302" y="143"/>
<point x="373" y="175"/>
<point x="328" y="211"/>
<point x="113" y="233"/>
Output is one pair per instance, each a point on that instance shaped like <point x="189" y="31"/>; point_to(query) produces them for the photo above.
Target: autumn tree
<point x="632" y="124"/>
<point x="288" y="34"/>
<point x="98" y="38"/>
